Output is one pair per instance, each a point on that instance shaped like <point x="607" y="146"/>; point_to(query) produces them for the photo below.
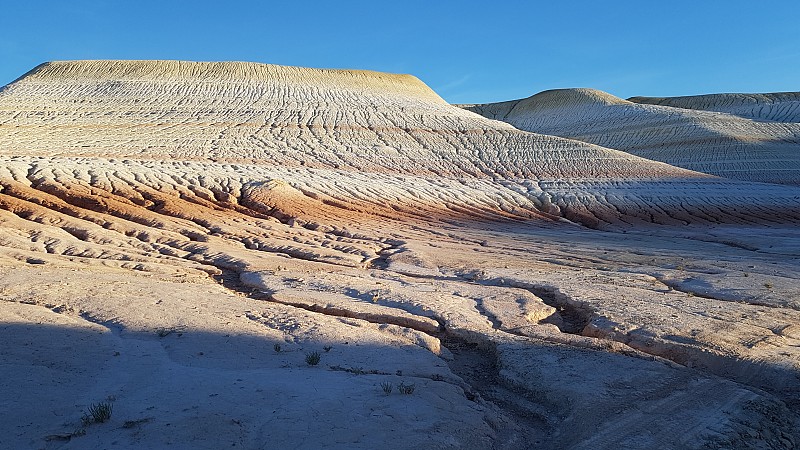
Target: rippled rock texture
<point x="751" y="137"/>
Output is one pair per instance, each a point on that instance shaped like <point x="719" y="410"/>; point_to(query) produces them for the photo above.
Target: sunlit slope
<point x="279" y="116"/>
<point x="719" y="143"/>
<point x="328" y="146"/>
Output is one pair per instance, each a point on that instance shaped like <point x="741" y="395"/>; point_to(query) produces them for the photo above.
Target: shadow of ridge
<point x="223" y="388"/>
<point x="173" y="383"/>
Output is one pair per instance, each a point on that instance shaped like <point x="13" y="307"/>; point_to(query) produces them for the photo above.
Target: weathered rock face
<point x="179" y="236"/>
<point x="743" y="137"/>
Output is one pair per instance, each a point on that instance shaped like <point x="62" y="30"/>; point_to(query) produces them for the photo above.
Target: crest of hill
<point x="556" y="98"/>
<point x="155" y="71"/>
<point x="777" y="107"/>
<point x="545" y="101"/>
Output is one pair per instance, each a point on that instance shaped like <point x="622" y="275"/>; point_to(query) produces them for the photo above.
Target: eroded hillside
<point x="738" y="136"/>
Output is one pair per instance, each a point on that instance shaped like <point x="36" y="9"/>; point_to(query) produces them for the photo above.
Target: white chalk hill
<point x="752" y="137"/>
<point x="774" y="107"/>
<point x="346" y="138"/>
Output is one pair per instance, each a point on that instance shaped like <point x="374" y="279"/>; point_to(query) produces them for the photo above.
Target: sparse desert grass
<point x="312" y="359"/>
<point x="387" y="387"/>
<point x="406" y="389"/>
<point x="97" y="413"/>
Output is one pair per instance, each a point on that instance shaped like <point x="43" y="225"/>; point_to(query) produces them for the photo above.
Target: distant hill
<point x="776" y="107"/>
<point x="740" y="136"/>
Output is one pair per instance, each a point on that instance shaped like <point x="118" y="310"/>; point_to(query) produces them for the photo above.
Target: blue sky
<point x="468" y="51"/>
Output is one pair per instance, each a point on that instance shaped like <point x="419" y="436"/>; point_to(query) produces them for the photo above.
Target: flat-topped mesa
<point x="777" y="107"/>
<point x="165" y="71"/>
<point x="281" y="116"/>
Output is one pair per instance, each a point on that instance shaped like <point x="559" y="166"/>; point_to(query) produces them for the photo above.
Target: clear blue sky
<point x="468" y="51"/>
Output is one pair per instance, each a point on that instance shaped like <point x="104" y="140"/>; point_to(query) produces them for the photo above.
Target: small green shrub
<point x="312" y="359"/>
<point x="277" y="348"/>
